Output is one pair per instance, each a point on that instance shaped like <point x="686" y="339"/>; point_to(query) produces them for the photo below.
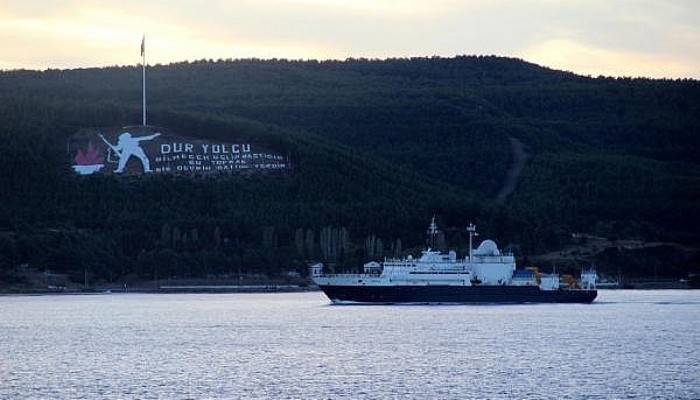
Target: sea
<point x="626" y="345"/>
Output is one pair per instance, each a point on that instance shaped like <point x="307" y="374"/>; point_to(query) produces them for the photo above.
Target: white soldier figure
<point x="128" y="146"/>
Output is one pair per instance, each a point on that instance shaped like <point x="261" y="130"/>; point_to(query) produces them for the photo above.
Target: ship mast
<point x="432" y="233"/>
<point x="471" y="228"/>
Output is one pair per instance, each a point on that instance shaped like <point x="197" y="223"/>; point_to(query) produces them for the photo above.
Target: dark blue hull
<point x="455" y="294"/>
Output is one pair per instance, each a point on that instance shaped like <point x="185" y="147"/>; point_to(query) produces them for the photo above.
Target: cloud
<point x="625" y="37"/>
<point x="391" y="9"/>
<point x="92" y="36"/>
<point x="589" y="60"/>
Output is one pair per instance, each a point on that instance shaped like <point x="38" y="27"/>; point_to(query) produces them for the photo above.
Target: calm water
<point x="629" y="344"/>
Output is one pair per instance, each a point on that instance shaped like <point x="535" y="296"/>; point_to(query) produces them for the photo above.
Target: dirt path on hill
<point x="520" y="157"/>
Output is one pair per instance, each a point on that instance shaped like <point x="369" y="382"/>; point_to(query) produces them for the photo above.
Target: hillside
<point x="379" y="146"/>
<point x="189" y="227"/>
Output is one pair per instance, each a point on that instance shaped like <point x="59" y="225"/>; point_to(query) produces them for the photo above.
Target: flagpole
<point x="143" y="70"/>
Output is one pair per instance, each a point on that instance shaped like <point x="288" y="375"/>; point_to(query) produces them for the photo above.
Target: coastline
<point x="170" y="289"/>
<point x="224" y="289"/>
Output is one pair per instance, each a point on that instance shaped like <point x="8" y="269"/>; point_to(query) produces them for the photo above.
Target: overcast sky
<point x="656" y="38"/>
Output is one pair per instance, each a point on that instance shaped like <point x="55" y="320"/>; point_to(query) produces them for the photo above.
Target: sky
<point x="651" y="38"/>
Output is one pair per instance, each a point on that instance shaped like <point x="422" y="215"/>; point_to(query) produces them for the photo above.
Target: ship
<point x="484" y="275"/>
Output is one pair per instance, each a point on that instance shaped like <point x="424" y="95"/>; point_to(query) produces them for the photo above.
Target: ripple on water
<point x="630" y="344"/>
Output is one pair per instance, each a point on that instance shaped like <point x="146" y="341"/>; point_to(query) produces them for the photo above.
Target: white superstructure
<point x="485" y="266"/>
<point x="588" y="278"/>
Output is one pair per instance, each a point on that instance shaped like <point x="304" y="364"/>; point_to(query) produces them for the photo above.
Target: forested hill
<point x="378" y="146"/>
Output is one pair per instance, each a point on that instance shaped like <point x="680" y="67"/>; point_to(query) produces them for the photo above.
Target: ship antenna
<point x="471" y="228"/>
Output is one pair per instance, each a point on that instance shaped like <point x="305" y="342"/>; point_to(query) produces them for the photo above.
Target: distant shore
<point x="166" y="289"/>
<point x="271" y="286"/>
<point x="212" y="289"/>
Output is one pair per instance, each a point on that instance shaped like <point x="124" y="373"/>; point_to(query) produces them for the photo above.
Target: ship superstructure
<point x="485" y="274"/>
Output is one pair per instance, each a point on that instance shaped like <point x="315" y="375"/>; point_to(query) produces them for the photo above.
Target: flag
<point x="143" y="45"/>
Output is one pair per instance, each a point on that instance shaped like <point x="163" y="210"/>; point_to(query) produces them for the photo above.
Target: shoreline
<point x="172" y="289"/>
<point x="229" y="290"/>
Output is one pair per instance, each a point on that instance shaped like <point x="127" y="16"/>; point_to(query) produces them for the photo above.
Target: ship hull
<point x="454" y="294"/>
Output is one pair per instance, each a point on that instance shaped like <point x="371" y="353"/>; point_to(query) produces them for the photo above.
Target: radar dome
<point x="487" y="248"/>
